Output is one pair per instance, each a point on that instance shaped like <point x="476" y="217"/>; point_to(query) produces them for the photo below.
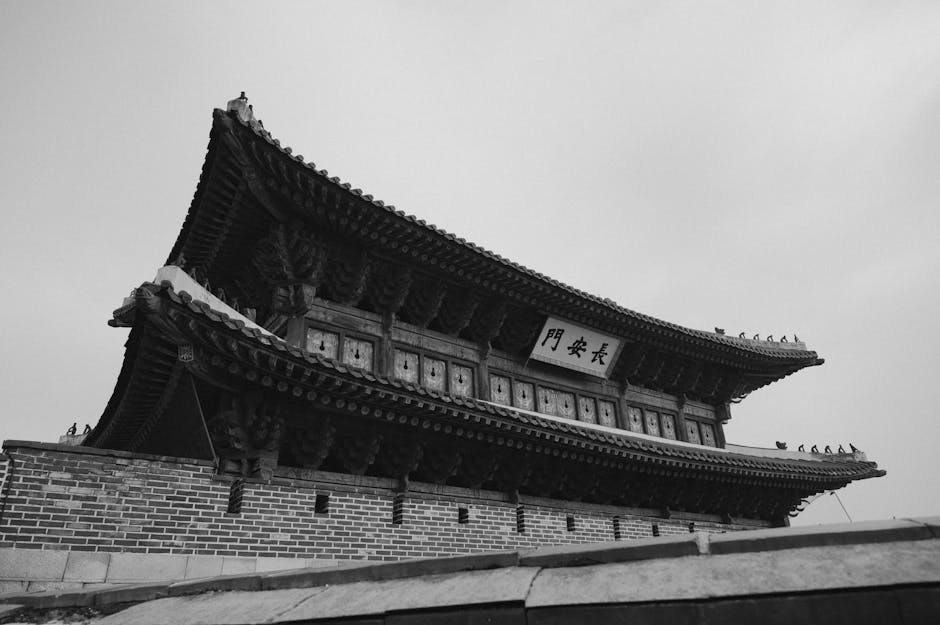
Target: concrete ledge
<point x="469" y="588"/>
<point x="87" y="567"/>
<point x="55" y="569"/>
<point x="865" y="532"/>
<point x="451" y="564"/>
<point x="232" y="608"/>
<point x="371" y="571"/>
<point x="620" y="551"/>
<point x="53" y="599"/>
<point x="151" y="567"/>
<point x="33" y="564"/>
<point x="223" y="583"/>
<point x="130" y="594"/>
<point x="342" y="574"/>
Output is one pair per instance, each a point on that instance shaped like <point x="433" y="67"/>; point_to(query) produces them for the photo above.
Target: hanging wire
<point x="832" y="492"/>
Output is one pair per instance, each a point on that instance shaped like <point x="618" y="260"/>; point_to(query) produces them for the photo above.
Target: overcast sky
<point x="759" y="167"/>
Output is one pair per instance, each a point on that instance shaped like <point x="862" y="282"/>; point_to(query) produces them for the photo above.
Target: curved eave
<point x="600" y="312"/>
<point x="193" y="213"/>
<point x="146" y="379"/>
<point x="292" y="371"/>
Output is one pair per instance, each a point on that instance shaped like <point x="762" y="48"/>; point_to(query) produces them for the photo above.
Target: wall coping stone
<point x="860" y="533"/>
<point x="616" y="551"/>
<point x="95" y="451"/>
<point x="345" y="573"/>
<point x="131" y="593"/>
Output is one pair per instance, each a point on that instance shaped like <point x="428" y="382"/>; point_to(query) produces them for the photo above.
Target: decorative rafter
<point x="519" y="330"/>
<point x="309" y="446"/>
<point x="357" y="451"/>
<point x="439" y="462"/>
<point x="401" y="456"/>
<point x="487" y="320"/>
<point x="477" y="466"/>
<point x="388" y="285"/>
<point x="457" y="309"/>
<point x="291" y="261"/>
<point x="347" y="274"/>
<point x="424" y="300"/>
<point x="246" y="432"/>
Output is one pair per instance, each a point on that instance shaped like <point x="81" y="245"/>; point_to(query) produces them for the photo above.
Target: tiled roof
<point x="602" y="306"/>
<point x="581" y="437"/>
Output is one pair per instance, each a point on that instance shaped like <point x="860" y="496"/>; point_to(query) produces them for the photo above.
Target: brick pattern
<point x="3" y="474"/>
<point x="96" y="502"/>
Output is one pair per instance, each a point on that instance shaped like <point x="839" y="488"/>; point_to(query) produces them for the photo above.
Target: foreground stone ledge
<point x="470" y="588"/>
<point x="231" y="608"/>
<point x="348" y="600"/>
<point x="693" y="567"/>
<point x="130" y="594"/>
<point x="697" y="578"/>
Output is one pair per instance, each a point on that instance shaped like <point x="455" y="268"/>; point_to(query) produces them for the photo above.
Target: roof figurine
<point x="240" y="107"/>
<point x="378" y="344"/>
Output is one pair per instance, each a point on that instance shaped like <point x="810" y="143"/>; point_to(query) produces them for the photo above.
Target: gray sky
<point x="759" y="167"/>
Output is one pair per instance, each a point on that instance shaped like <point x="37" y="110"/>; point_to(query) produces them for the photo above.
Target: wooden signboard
<point x="575" y="347"/>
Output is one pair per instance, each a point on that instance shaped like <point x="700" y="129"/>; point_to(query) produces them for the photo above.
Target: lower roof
<point x="161" y="316"/>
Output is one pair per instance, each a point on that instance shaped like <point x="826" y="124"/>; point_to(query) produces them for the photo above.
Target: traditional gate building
<point x="315" y="374"/>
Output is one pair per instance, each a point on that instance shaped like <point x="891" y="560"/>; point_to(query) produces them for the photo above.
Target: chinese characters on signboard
<point x="568" y="345"/>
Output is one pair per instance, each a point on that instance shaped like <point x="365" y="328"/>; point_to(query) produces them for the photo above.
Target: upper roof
<point x="249" y="180"/>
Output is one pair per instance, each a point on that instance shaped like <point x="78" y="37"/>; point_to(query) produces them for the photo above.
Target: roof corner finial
<point x="240" y="106"/>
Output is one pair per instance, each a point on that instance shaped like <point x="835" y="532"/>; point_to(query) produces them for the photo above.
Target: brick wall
<point x="3" y="473"/>
<point x="81" y="499"/>
<point x="4" y="461"/>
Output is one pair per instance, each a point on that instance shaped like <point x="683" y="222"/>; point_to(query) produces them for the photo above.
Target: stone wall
<point x="89" y="500"/>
